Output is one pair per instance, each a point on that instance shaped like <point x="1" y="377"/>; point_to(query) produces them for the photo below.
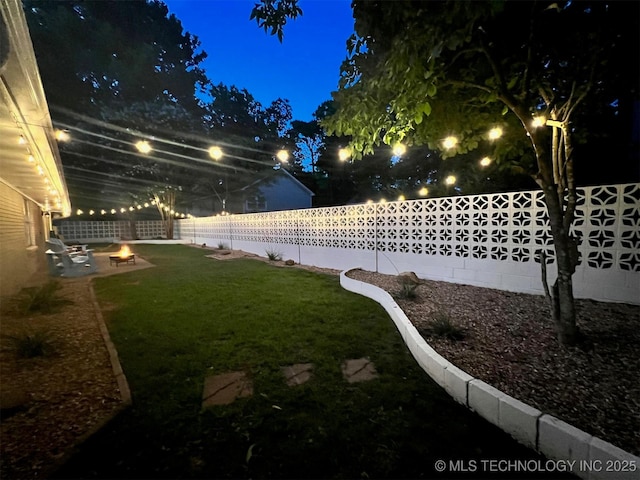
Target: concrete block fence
<point x="484" y="240"/>
<point x="109" y="231"/>
<point x="490" y="241"/>
<point x="594" y="458"/>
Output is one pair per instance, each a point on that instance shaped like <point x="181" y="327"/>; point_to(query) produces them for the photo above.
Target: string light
<point x="495" y="133"/>
<point x="538" y="121"/>
<point x="131" y="208"/>
<point x="449" y="142"/>
<point x="485" y="162"/>
<point x="62" y="136"/>
<point x="399" y="150"/>
<point x="215" y="153"/>
<point x="423" y="192"/>
<point x="283" y="156"/>
<point x="450" y="180"/>
<point x="143" y="146"/>
<point x="344" y="154"/>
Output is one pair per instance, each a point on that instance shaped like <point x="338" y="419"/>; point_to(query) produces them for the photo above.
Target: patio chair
<point x="65" y="263"/>
<point x="58" y="246"/>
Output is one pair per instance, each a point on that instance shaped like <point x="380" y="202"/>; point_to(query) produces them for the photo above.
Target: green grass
<point x="191" y="317"/>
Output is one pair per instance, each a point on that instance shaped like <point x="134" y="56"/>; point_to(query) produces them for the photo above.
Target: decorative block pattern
<point x="488" y="240"/>
<point x="505" y="226"/>
<point x="101" y="230"/>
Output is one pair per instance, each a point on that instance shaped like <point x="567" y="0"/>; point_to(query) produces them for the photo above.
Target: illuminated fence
<point x="102" y="231"/>
<point x="486" y="240"/>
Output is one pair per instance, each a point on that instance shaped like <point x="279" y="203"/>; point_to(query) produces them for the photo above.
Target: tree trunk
<point x="555" y="177"/>
<point x="165" y="204"/>
<point x="561" y="296"/>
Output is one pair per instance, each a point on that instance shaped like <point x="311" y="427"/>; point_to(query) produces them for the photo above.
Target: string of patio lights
<point x="145" y="147"/>
<point x="344" y="154"/>
<point x="398" y="150"/>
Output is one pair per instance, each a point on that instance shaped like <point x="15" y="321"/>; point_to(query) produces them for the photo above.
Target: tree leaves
<point x="272" y="15"/>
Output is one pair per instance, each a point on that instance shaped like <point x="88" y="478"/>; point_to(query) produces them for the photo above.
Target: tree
<point x="174" y="159"/>
<point x="419" y="71"/>
<point x="131" y="65"/>
<point x="248" y="137"/>
<point x="90" y="53"/>
<point x="272" y="15"/>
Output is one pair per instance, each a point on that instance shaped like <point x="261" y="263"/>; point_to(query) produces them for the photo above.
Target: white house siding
<point x="21" y="264"/>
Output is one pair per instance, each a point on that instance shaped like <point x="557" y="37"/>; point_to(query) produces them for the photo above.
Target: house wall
<point x="21" y="264"/>
<point x="485" y="240"/>
<point x="282" y="194"/>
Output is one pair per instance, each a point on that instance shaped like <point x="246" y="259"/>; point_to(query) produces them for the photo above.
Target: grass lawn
<point x="191" y="317"/>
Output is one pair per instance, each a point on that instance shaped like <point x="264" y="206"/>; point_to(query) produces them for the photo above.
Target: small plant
<point x="43" y="299"/>
<point x="222" y="246"/>
<point x="442" y="326"/>
<point x="407" y="291"/>
<point x="32" y="344"/>
<point x="273" y="255"/>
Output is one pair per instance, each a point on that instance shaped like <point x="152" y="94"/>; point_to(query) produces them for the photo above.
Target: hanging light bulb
<point x="143" y="146"/>
<point x="399" y="150"/>
<point x="495" y="133"/>
<point x="283" y="156"/>
<point x="449" y="142"/>
<point x="215" y="153"/>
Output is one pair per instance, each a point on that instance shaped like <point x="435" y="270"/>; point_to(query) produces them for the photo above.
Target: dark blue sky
<point x="303" y="69"/>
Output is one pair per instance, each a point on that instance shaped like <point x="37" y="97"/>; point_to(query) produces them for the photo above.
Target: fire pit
<point x="123" y="256"/>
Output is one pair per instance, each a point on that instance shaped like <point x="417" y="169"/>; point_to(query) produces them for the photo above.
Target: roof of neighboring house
<point x="30" y="162"/>
<point x="284" y="174"/>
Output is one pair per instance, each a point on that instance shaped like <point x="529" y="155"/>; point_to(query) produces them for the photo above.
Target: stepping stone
<point x="297" y="374"/>
<point x="224" y="389"/>
<point x="359" y="370"/>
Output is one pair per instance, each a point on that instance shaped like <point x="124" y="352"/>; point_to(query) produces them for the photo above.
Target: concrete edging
<point x="595" y="459"/>
<point x="121" y="379"/>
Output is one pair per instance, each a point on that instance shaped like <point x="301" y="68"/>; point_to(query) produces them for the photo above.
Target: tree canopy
<point x="521" y="84"/>
<point x="419" y="72"/>
<point x="114" y="76"/>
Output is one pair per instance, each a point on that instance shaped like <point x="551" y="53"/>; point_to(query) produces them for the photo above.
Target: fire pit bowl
<point x="123" y="256"/>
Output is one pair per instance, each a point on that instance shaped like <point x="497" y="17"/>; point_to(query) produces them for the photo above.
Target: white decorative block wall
<point x="486" y="240"/>
<point x="100" y="231"/>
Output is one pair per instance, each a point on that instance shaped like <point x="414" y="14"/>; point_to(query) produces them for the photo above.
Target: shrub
<point x="222" y="246"/>
<point x="273" y="254"/>
<point x="43" y="299"/>
<point x="442" y="326"/>
<point x="407" y="291"/>
<point x="31" y="344"/>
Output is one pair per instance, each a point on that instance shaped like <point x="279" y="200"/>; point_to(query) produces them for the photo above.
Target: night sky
<point x="303" y="69"/>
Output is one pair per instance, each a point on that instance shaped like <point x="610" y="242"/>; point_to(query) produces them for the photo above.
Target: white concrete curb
<point x="594" y="458"/>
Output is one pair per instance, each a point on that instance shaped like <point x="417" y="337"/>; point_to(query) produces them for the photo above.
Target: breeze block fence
<point x="109" y="231"/>
<point x="485" y="240"/>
